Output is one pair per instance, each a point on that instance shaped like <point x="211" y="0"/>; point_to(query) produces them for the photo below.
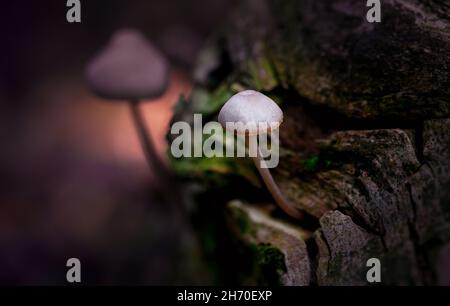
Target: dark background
<point x="73" y="179"/>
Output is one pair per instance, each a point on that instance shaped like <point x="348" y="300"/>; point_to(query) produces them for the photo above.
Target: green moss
<point x="209" y="240"/>
<point x="241" y="219"/>
<point x="311" y="163"/>
<point x="266" y="263"/>
<point x="269" y="264"/>
<point x="269" y="256"/>
<point x="216" y="170"/>
<point x="262" y="74"/>
<point x="208" y="103"/>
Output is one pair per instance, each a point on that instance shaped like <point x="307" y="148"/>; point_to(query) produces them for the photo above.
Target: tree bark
<point x="365" y="142"/>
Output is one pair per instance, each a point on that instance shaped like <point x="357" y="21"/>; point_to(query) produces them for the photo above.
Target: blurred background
<point x="74" y="182"/>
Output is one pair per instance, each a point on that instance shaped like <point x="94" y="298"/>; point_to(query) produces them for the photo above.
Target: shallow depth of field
<point x="364" y="145"/>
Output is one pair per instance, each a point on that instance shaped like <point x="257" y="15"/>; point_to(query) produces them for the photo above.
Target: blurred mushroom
<point x="257" y="114"/>
<point x="131" y="68"/>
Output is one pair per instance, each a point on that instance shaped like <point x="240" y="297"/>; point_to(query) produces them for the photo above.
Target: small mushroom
<point x="257" y="114"/>
<point x="130" y="68"/>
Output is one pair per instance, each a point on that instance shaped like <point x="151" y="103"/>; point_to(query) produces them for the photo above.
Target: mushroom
<point x="131" y="68"/>
<point x="251" y="114"/>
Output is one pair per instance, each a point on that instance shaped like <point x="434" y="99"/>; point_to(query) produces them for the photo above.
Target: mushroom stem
<point x="151" y="156"/>
<point x="276" y="193"/>
<point x="166" y="182"/>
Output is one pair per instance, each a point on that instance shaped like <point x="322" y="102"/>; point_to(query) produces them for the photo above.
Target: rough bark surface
<point x="365" y="142"/>
<point x="256" y="228"/>
<point x="330" y="54"/>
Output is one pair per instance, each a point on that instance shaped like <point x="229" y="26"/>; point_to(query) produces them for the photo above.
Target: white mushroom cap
<point x="255" y="112"/>
<point x="129" y="67"/>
